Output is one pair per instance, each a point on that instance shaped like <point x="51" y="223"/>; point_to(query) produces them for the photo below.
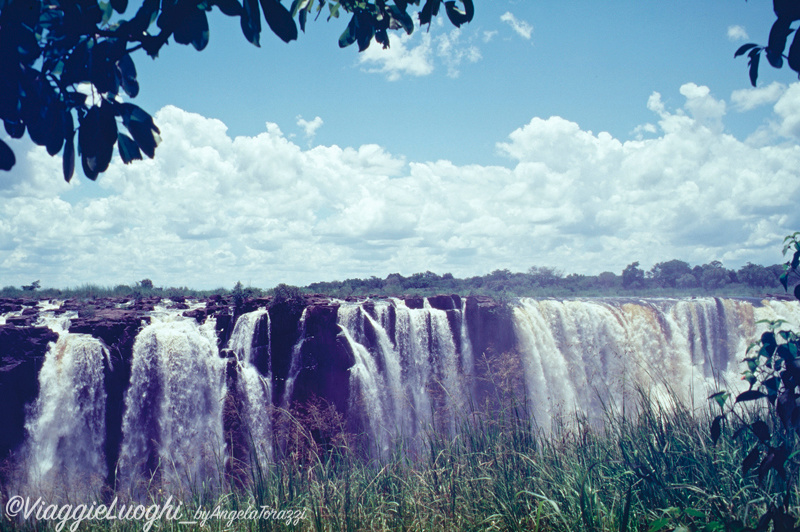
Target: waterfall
<point x="66" y="428"/>
<point x="398" y="371"/>
<point x="172" y="427"/>
<point x="254" y="390"/>
<point x="369" y="391"/>
<point x="589" y="355"/>
<point x="296" y="363"/>
<point x="408" y="374"/>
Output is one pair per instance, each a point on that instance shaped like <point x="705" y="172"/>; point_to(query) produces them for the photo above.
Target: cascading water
<point x="589" y="355"/>
<point x="407" y="367"/>
<point x="295" y="365"/>
<point x="172" y="427"/>
<point x="253" y="389"/>
<point x="66" y="429"/>
<point x="412" y="369"/>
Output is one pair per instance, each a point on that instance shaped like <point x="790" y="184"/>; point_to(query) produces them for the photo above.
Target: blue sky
<point x="579" y="135"/>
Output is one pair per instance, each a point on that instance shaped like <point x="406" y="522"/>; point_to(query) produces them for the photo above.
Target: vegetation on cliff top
<point x="669" y="278"/>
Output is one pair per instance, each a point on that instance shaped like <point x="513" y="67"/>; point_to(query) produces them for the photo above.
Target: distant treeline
<point x="674" y="277"/>
<point x="670" y="278"/>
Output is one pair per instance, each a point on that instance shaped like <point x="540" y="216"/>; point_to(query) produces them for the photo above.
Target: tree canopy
<point x="68" y="60"/>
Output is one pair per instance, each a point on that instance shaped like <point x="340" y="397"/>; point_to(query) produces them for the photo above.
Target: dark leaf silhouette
<point x="749" y="395"/>
<point x="251" y="21"/>
<point x="750" y="460"/>
<point x="761" y="430"/>
<point x="754" y="55"/>
<point x="14" y="129"/>
<point x="430" y="10"/>
<point x="126" y="71"/>
<point x="744" y="48"/>
<point x="232" y="8"/>
<point x="348" y="36"/>
<point x="128" y="149"/>
<point x="7" y="159"/>
<point x="777" y="41"/>
<point x="193" y="29"/>
<point x="279" y="20"/>
<point x="716" y="429"/>
<point x="68" y="159"/>
<point x="457" y="16"/>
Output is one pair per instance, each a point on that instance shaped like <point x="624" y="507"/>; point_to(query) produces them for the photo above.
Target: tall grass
<point x="657" y="470"/>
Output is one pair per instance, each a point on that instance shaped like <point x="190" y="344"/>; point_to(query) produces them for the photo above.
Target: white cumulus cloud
<point x="211" y="209"/>
<point x="737" y="33"/>
<point x="417" y="54"/>
<point x="747" y="99"/>
<point x="408" y="55"/>
<point x="309" y="127"/>
<point x="520" y="27"/>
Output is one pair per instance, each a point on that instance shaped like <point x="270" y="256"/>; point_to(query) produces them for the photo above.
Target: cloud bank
<point x="210" y="209"/>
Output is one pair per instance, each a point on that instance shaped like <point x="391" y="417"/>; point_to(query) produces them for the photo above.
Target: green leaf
<point x="777" y="41"/>
<point x="403" y="19"/>
<point x="280" y="20"/>
<point x="720" y="398"/>
<point x="744" y="48"/>
<point x="749" y="395"/>
<point x="68" y="157"/>
<point x="15" y="129"/>
<point x="794" y="53"/>
<point x="334" y="13"/>
<point x="457" y="16"/>
<point x="768" y="340"/>
<point x="364" y="31"/>
<point x="348" y="36"/>
<point x="119" y="5"/>
<point x="107" y="10"/>
<point x="429" y="10"/>
<point x="141" y="127"/>
<point x="754" y="55"/>
<point x="96" y="137"/>
<point x="7" y="159"/>
<point x="126" y="71"/>
<point x="251" y="21"/>
<point x="297" y="5"/>
<point x="761" y="430"/>
<point x="750" y="460"/>
<point x="691" y="512"/>
<point x="716" y="428"/>
<point x="193" y="29"/>
<point x="658" y="524"/>
<point x="772" y="385"/>
<point x="128" y="149"/>
<point x="232" y="8"/>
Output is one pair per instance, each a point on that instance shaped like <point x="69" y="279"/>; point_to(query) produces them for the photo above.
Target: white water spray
<point x="66" y="429"/>
<point x="255" y="390"/>
<point x="172" y="427"/>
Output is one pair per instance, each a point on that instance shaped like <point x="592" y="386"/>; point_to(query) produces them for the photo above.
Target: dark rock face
<point x="489" y="324"/>
<point x="284" y="321"/>
<point x="325" y="359"/>
<point x="442" y="302"/>
<point x="22" y="351"/>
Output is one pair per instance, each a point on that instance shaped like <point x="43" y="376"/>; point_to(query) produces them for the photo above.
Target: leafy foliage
<point x="787" y="12"/>
<point x="772" y="448"/>
<point x="63" y="60"/>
